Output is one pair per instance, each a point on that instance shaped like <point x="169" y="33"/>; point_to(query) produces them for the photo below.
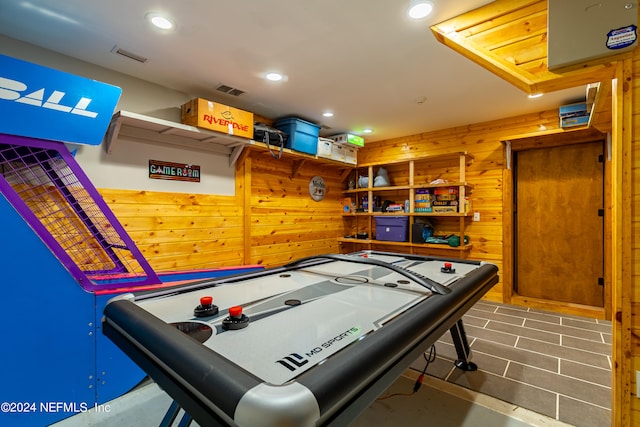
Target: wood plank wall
<point x="631" y="279"/>
<point x="191" y="231"/>
<point x="195" y="231"/>
<point x="178" y="231"/>
<point x="286" y="223"/>
<point x="484" y="142"/>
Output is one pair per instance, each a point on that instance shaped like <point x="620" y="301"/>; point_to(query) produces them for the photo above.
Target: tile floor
<point x="437" y="403"/>
<point x="442" y="404"/>
<point x="554" y="364"/>
<point x="535" y="368"/>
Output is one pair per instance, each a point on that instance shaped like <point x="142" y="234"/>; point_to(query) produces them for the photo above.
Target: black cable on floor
<point x="418" y="384"/>
<point x="431" y="358"/>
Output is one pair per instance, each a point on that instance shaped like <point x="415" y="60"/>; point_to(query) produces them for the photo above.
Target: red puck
<point x="447" y="265"/>
<point x="235" y="311"/>
<point x="204" y="301"/>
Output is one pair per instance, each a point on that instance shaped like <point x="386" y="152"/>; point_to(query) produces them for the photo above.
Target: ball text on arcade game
<point x="11" y="90"/>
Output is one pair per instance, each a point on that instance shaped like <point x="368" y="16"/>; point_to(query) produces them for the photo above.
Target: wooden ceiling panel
<point x="509" y="38"/>
<point x="512" y="31"/>
<point x="485" y="22"/>
<point x="523" y="52"/>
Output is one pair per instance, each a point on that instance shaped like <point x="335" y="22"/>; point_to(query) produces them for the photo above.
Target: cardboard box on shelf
<point x="350" y="154"/>
<point x="445" y="209"/>
<point x="218" y="117"/>
<point x="442" y="191"/>
<point x="325" y="148"/>
<point x="444" y="203"/>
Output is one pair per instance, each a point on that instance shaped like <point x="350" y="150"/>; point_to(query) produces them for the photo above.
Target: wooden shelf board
<point x="435" y="158"/>
<point x="414" y="245"/>
<point x="447" y="184"/>
<point x="409" y="214"/>
<point x="409" y="187"/>
<point x="138" y="127"/>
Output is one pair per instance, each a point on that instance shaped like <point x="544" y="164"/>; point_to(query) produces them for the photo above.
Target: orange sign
<point x="219" y="117"/>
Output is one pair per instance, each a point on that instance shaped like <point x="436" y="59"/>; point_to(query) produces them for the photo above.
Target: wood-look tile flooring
<point x="535" y="368"/>
<point x="553" y="364"/>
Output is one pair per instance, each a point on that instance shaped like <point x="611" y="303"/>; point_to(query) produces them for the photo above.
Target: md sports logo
<point x="12" y="90"/>
<point x="295" y="361"/>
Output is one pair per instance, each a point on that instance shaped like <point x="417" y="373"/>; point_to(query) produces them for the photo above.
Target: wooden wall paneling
<point x="485" y="173"/>
<point x="483" y="141"/>
<point x="627" y="356"/>
<point x="286" y="223"/>
<point x="176" y="231"/>
<point x="622" y="141"/>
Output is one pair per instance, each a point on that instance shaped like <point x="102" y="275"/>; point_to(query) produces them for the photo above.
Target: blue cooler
<point x="303" y="136"/>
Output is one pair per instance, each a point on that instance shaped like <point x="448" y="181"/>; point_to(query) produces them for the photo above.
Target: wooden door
<point x="559" y="223"/>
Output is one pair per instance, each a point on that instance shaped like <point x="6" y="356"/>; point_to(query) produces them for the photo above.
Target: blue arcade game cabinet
<point x="63" y="253"/>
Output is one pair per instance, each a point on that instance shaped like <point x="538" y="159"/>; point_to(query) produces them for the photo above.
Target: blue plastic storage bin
<point x="303" y="136"/>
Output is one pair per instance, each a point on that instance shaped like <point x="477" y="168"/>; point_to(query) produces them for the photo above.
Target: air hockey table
<point x="311" y="343"/>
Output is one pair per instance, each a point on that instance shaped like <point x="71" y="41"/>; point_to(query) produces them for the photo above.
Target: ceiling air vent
<point x="235" y="92"/>
<point x="230" y="90"/>
<point x="129" y="55"/>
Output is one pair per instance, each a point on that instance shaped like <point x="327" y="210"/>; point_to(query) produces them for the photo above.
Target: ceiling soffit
<point x="509" y="38"/>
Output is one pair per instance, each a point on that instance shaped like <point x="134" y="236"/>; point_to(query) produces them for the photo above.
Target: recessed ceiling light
<point x="420" y="9"/>
<point x="535" y="95"/>
<point x="274" y="77"/>
<point x="327" y="114"/>
<point x="367" y="130"/>
<point x="160" y="21"/>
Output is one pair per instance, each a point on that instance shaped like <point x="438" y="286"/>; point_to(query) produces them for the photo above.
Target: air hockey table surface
<point x="310" y="343"/>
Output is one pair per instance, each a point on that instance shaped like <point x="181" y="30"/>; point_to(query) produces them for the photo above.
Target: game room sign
<point x="173" y="171"/>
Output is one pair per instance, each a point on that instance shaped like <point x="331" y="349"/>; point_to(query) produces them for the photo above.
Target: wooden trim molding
<point x="622" y="147"/>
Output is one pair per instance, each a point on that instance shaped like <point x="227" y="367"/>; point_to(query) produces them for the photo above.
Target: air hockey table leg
<point x="172" y="414"/>
<point x="462" y="347"/>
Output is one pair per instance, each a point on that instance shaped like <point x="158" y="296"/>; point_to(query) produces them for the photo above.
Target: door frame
<point x="548" y="139"/>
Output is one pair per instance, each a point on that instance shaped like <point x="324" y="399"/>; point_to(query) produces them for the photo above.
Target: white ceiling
<point x="362" y="59"/>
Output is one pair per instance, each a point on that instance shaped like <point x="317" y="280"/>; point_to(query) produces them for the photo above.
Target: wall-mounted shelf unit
<point x="138" y="127"/>
<point x="301" y="158"/>
<point x="141" y="128"/>
<point x="408" y="178"/>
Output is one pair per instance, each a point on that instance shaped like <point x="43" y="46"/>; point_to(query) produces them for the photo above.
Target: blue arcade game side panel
<point x="64" y="255"/>
<point x="48" y="308"/>
<point x="47" y="325"/>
